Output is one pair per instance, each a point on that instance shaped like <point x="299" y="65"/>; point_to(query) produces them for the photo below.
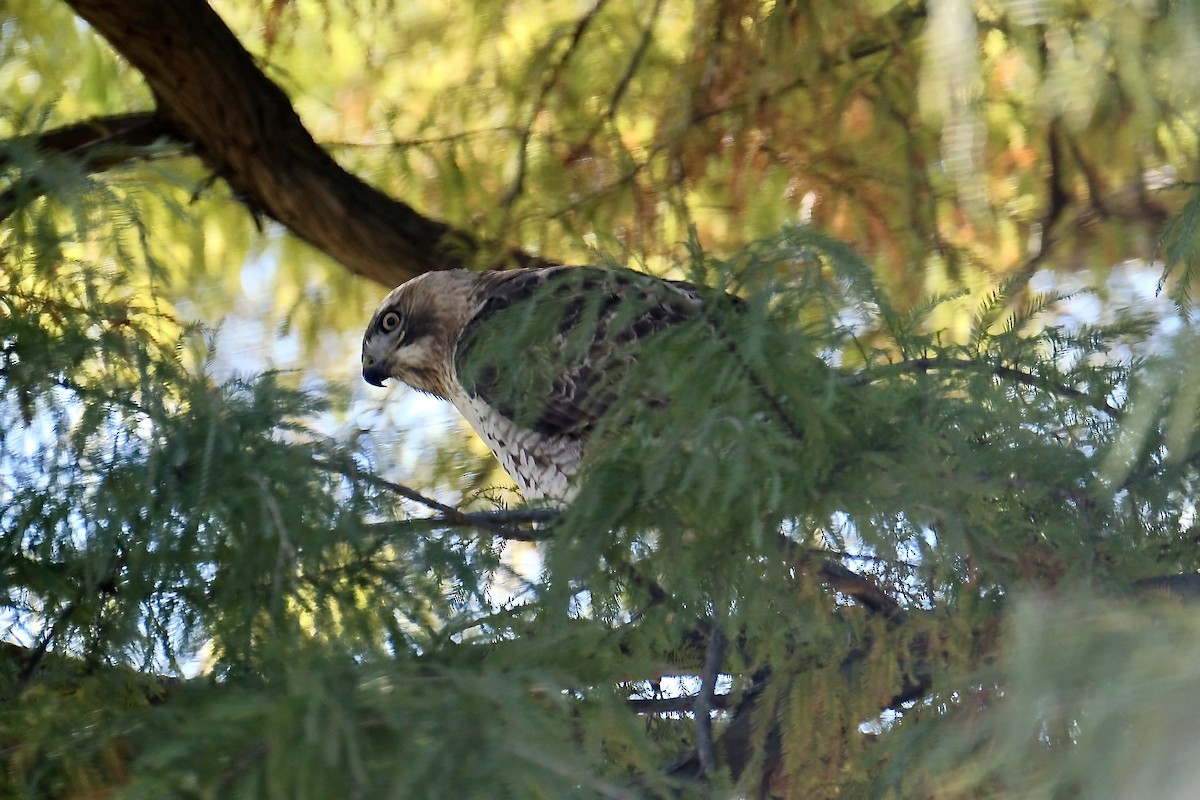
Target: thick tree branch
<point x="210" y="90"/>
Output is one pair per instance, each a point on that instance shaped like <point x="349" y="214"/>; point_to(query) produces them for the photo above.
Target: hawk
<point x="532" y="358"/>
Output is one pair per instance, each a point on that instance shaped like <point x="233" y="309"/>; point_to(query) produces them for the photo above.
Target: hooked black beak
<point x="375" y="374"/>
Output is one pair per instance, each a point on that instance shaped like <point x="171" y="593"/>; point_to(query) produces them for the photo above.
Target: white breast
<point x="541" y="465"/>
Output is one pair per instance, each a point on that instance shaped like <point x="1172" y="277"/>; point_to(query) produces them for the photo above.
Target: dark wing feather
<point x="549" y="348"/>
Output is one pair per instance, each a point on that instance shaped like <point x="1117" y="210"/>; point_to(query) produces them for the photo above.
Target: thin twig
<point x="97" y="144"/>
<point x="242" y="765"/>
<point x="676" y="705"/>
<point x="494" y="522"/>
<point x="1057" y="199"/>
<point x="484" y="520"/>
<point x="547" y="84"/>
<point x="38" y="653"/>
<point x="635" y="62"/>
<point x="925" y="365"/>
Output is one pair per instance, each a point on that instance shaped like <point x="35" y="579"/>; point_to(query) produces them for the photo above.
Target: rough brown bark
<point x="212" y="93"/>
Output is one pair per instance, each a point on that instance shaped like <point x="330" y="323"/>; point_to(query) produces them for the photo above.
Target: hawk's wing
<point x="549" y="347"/>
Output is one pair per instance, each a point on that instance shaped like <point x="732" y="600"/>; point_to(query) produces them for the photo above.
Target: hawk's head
<point x="413" y="333"/>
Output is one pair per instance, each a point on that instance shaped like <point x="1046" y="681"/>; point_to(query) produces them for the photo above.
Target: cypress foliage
<point x="849" y="558"/>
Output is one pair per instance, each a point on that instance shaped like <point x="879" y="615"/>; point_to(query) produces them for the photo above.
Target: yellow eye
<point x="390" y="322"/>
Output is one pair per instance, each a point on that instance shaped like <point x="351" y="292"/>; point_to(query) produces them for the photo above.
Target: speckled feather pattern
<point x="531" y="358"/>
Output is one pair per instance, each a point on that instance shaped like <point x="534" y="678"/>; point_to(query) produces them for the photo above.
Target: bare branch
<point x="483" y="520"/>
<point x="494" y="522"/>
<point x="81" y="139"/>
<point x="98" y="144"/>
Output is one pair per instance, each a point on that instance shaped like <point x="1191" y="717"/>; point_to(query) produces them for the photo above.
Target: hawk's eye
<point x="390" y="322"/>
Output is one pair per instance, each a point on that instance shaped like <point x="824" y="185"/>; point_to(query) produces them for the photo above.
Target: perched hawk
<point x="532" y="358"/>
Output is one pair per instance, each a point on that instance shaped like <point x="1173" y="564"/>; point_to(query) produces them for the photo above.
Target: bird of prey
<point x="532" y="358"/>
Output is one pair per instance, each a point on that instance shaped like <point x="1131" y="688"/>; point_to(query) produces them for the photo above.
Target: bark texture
<point x="212" y="94"/>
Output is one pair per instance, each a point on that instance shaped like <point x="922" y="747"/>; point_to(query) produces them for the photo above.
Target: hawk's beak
<point x="374" y="372"/>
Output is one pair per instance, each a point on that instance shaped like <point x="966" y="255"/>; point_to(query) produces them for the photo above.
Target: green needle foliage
<point x="823" y="536"/>
<point x="831" y="542"/>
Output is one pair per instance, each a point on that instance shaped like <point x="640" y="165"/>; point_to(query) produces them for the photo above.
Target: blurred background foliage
<point x="214" y="588"/>
<point x="954" y="143"/>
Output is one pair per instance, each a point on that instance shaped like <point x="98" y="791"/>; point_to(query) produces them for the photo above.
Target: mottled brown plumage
<point x="532" y="358"/>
